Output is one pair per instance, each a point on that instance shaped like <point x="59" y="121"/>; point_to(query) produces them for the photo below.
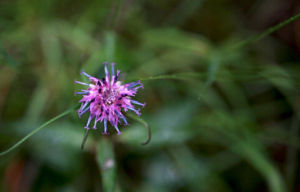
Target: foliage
<point x="222" y="100"/>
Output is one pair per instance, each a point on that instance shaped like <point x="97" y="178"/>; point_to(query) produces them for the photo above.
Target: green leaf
<point x="214" y="64"/>
<point x="177" y="40"/>
<point x="107" y="164"/>
<point x="168" y="126"/>
<point x="240" y="139"/>
<point x="278" y="77"/>
<point x="110" y="44"/>
<point x="256" y="158"/>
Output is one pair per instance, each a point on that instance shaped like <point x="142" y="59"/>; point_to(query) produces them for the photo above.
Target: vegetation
<point x="221" y="82"/>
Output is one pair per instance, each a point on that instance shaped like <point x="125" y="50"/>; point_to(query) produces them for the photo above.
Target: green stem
<point x="145" y="124"/>
<point x="180" y="76"/>
<point x="36" y="130"/>
<point x="266" y="32"/>
<point x="85" y="138"/>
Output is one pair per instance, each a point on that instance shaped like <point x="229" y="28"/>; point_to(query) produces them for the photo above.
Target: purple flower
<point x="107" y="99"/>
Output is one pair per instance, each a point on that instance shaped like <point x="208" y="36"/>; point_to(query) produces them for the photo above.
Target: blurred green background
<point x="223" y="117"/>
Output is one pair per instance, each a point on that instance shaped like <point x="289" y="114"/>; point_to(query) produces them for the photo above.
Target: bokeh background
<point x="223" y="117"/>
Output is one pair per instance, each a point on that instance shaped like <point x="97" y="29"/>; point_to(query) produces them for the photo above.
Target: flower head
<point x="107" y="99"/>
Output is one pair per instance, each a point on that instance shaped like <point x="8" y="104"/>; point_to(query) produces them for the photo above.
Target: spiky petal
<point x="105" y="99"/>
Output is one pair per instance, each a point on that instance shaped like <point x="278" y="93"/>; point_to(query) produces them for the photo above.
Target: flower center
<point x="109" y="96"/>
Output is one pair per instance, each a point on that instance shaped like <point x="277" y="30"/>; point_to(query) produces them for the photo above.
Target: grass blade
<point x="37" y="130"/>
<point x="266" y="32"/>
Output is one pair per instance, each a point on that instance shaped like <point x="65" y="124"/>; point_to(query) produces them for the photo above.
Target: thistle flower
<point x="107" y="99"/>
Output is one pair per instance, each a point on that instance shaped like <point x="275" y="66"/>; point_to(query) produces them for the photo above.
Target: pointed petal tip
<point x="81" y="83"/>
<point x="85" y="74"/>
<point x="105" y="133"/>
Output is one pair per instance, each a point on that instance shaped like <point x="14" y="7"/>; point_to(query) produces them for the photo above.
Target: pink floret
<point x="106" y="98"/>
